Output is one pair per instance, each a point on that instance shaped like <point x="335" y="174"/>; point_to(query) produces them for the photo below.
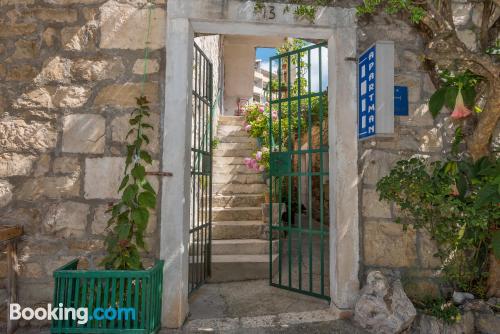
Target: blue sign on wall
<point x="366" y="93"/>
<point x="400" y="101"/>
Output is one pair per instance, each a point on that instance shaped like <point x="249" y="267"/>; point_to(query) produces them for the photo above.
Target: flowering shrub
<point x="458" y="94"/>
<point x="458" y="202"/>
<point x="257" y="125"/>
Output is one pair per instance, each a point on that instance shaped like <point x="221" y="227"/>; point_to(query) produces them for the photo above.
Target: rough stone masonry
<point x="69" y="72"/>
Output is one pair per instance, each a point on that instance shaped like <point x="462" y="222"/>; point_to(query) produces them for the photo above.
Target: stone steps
<point x="233" y="189"/>
<point x="242" y="247"/>
<point x="227" y="268"/>
<point x="232" y="146"/>
<point x="234" y="169"/>
<point x="235" y="152"/>
<point x="255" y="178"/>
<point x="238" y="253"/>
<point x="227" y="161"/>
<point x="231" y="130"/>
<point x="237" y="214"/>
<point x="231" y="120"/>
<point x="237" y="200"/>
<point x="236" y="139"/>
<point x="237" y="229"/>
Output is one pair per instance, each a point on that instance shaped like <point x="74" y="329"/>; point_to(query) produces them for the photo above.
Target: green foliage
<point x="453" y="83"/>
<point x="129" y="217"/>
<point x="215" y="143"/>
<point x="410" y="7"/>
<point x="441" y="309"/>
<point x="457" y="202"/>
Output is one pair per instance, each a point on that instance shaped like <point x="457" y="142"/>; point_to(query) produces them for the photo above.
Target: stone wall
<point x="69" y="74"/>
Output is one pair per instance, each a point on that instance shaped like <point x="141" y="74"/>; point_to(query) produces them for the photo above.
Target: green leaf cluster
<point x="130" y="215"/>
<point x="416" y="12"/>
<point x="441" y="309"/>
<point x="453" y="83"/>
<point x="458" y="203"/>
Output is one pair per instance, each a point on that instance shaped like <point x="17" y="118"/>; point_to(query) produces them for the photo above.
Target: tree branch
<point x="488" y="8"/>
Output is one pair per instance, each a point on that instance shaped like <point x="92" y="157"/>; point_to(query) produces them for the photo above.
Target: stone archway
<point x="338" y="27"/>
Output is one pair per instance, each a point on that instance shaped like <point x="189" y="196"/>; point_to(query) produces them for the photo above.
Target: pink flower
<point x="248" y="127"/>
<point x="254" y="165"/>
<point x="258" y="156"/>
<point x="460" y="110"/>
<point x="261" y="109"/>
<point x="248" y="161"/>
<point x="274" y="115"/>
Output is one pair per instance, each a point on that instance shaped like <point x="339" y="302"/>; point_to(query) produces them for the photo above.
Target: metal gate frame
<point x="282" y="156"/>
<point x="200" y="231"/>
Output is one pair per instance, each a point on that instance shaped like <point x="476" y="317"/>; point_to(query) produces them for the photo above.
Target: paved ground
<point x="256" y="307"/>
<point x="248" y="299"/>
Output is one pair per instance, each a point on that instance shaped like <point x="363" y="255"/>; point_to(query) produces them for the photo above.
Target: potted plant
<point x="124" y="295"/>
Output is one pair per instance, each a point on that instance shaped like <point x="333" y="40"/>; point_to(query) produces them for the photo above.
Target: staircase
<point x="238" y="253"/>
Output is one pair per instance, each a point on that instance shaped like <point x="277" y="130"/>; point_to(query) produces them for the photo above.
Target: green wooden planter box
<point x="109" y="289"/>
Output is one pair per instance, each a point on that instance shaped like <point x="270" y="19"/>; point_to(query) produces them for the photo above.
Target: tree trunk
<point x="478" y="144"/>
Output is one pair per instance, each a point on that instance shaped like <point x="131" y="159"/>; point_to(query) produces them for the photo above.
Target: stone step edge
<point x="282" y="320"/>
<point x="237" y="208"/>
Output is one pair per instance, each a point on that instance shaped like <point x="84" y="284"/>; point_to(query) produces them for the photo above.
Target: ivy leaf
<point x="129" y="193"/>
<point x="135" y="120"/>
<point x="145" y="138"/>
<point x="437" y="101"/>
<point x="139" y="172"/>
<point x="147" y="199"/>
<point x="146" y="157"/>
<point x="495" y="243"/>
<point x="451" y="97"/>
<point x="147" y="186"/>
<point x="123" y="231"/>
<point x="129" y="133"/>
<point x="140" y="217"/>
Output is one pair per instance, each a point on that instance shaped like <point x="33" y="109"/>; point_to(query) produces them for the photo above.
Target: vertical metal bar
<point x="113" y="299"/>
<point x="199" y="157"/>
<point x="290" y="178"/>
<point x="209" y="246"/>
<point x="309" y="169"/>
<point x="106" y="299"/>
<point x="120" y="299"/>
<point x="98" y="299"/>
<point x="322" y="256"/>
<point x="299" y="164"/>
<point x="270" y="181"/>
<point x="280" y="141"/>
<point x="193" y="177"/>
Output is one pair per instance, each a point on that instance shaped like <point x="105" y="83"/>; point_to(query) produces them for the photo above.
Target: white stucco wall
<point x="239" y="59"/>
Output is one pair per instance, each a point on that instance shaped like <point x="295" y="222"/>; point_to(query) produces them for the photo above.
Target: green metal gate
<point x="299" y="171"/>
<point x="201" y="171"/>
